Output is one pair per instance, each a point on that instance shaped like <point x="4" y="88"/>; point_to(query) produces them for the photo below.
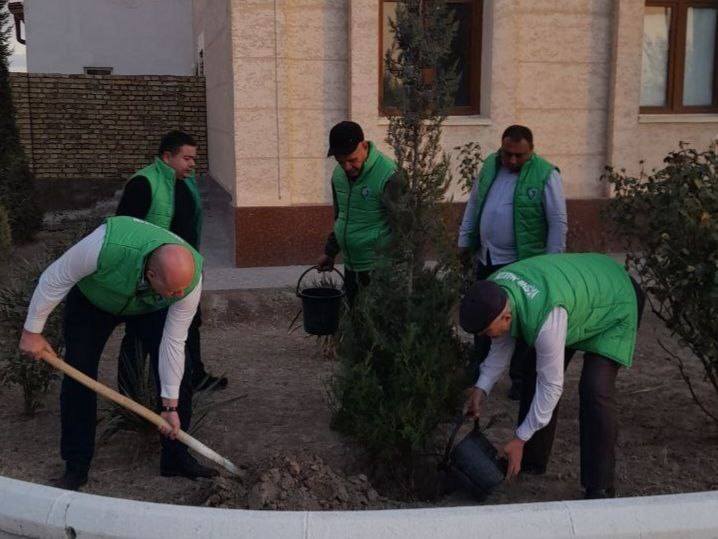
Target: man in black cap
<point x="558" y="304"/>
<point x="360" y="224"/>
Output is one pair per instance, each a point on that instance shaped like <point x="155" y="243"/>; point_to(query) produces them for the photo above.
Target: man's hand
<point x="34" y="344"/>
<point x="325" y="263"/>
<point x="173" y="429"/>
<point x="172" y="418"/>
<point x="472" y="406"/>
<point x="514" y="452"/>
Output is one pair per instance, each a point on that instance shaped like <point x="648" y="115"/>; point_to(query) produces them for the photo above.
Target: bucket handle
<point x="315" y="268"/>
<point x="458" y="423"/>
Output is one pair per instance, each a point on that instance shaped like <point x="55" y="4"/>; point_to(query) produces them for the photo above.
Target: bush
<point x="17" y="190"/>
<point x="670" y="222"/>
<point x="33" y="376"/>
<point x="17" y="194"/>
<point x="402" y="365"/>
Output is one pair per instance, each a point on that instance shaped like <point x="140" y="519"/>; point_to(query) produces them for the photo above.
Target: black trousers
<point x="132" y="351"/>
<point x="598" y="414"/>
<point x="353" y="280"/>
<point x="86" y="330"/>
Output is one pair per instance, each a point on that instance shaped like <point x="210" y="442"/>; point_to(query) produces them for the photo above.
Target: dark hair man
<point x="126" y="270"/>
<point x="165" y="193"/>
<point x="558" y="304"/>
<point x="516" y="209"/>
<point x="358" y="184"/>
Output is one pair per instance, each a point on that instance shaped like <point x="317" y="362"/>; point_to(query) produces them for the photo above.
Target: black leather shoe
<point x="72" y="480"/>
<point x="599" y="493"/>
<point x="185" y="466"/>
<point x="207" y="381"/>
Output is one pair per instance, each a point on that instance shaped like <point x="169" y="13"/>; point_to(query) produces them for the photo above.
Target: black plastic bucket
<point x="474" y="462"/>
<point x="321" y="306"/>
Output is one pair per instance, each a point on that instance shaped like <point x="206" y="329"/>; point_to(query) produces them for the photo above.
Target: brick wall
<point x="88" y="126"/>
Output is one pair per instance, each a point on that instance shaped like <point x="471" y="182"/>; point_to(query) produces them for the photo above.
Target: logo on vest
<point x="365" y="193"/>
<point x="530" y="290"/>
<point x="532" y="192"/>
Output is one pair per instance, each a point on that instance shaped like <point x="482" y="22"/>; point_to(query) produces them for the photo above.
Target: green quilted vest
<point x="361" y="225"/>
<point x="595" y="291"/>
<point x="162" y="185"/>
<point x="530" y="227"/>
<point x="118" y="286"/>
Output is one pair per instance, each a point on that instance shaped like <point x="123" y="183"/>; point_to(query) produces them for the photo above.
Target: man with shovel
<point x="125" y="270"/>
<point x="558" y="304"/>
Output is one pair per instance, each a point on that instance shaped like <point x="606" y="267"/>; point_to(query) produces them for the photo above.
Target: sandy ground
<point x="279" y="429"/>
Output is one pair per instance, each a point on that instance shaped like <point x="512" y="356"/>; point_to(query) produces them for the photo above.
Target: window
<point x="98" y="70"/>
<point x="678" y="73"/>
<point x="466" y="48"/>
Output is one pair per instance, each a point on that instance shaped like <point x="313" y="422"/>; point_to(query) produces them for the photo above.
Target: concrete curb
<point x="30" y="510"/>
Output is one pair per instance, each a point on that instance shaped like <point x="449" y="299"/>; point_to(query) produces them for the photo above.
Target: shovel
<point x="140" y="410"/>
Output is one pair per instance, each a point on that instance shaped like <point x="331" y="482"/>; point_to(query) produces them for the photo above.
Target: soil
<point x="273" y="421"/>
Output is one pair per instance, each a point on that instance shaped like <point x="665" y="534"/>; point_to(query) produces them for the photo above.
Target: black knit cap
<point x="481" y="305"/>
<point x="344" y="138"/>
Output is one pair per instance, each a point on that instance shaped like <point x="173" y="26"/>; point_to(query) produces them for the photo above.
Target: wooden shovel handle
<point x="137" y="408"/>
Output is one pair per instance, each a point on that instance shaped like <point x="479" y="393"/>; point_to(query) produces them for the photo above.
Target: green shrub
<point x="33" y="376"/>
<point x="670" y="222"/>
<point x="17" y="190"/>
<point x="402" y="364"/>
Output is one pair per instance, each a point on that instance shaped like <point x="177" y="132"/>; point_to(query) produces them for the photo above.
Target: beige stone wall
<point x="213" y="34"/>
<point x="86" y="126"/>
<point x="546" y="65"/>
<point x="290" y="87"/>
<point x="568" y="70"/>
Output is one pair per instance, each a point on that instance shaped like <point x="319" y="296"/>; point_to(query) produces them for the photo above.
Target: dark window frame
<point x="676" y="59"/>
<point x="474" y="106"/>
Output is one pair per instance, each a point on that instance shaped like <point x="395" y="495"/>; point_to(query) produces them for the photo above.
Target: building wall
<point x="568" y="70"/>
<point x="85" y="126"/>
<point x="290" y="68"/>
<point x="291" y="76"/>
<point x="134" y="37"/>
<point x="638" y="137"/>
<point x="213" y="39"/>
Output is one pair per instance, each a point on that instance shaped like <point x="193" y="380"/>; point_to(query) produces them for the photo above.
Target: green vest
<point x="118" y="286"/>
<point x="595" y="290"/>
<point x="162" y="185"/>
<point x="530" y="227"/>
<point x="361" y="225"/>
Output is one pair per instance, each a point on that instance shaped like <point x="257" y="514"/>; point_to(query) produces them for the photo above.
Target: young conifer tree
<point x="402" y="365"/>
<point x="17" y="191"/>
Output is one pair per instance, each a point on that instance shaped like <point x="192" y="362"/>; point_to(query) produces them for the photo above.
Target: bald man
<point x="125" y="270"/>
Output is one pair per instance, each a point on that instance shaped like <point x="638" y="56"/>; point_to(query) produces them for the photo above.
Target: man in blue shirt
<point x="489" y="226"/>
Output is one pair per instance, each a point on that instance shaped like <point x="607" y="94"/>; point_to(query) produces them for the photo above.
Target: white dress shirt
<point x="78" y="262"/>
<point x="550" y="346"/>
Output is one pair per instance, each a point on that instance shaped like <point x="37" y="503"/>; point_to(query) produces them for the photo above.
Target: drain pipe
<point x="18" y="13"/>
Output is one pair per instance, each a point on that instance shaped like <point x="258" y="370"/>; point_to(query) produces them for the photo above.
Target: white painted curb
<point x="30" y="510"/>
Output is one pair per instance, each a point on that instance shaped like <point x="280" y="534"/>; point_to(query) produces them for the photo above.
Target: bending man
<point x="125" y="270"/>
<point x="581" y="302"/>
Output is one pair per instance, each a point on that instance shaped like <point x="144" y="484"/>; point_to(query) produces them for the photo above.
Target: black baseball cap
<point x="481" y="305"/>
<point x="344" y="138"/>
